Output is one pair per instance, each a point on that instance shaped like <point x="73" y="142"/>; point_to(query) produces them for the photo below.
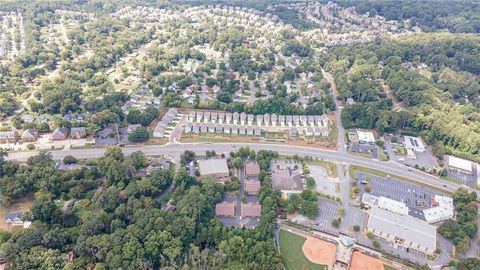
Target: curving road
<point x="175" y="150"/>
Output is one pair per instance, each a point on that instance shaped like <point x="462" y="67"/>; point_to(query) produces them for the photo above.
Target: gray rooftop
<point x="408" y="228"/>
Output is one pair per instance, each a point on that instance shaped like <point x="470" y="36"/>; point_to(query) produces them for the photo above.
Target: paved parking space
<point x="466" y="179"/>
<point x="322" y="182"/>
<point x="365" y="148"/>
<point x="239" y="222"/>
<point x="414" y="196"/>
<point x="423" y="160"/>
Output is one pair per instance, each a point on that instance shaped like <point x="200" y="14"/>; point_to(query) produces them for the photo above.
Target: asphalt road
<point x="175" y="150"/>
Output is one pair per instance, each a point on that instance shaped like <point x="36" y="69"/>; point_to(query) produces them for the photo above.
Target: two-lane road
<point x="175" y="150"/>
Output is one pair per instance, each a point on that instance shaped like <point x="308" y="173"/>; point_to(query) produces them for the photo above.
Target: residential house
<point x="252" y="169"/>
<point x="225" y="209"/>
<point x="195" y="128"/>
<point x="199" y="116"/>
<point x="303" y="120"/>
<point x="214" y="117"/>
<point x="78" y="132"/>
<point x="8" y="136"/>
<point x="251" y="210"/>
<point x="234" y="130"/>
<point x="235" y="118"/>
<point x="30" y="135"/>
<point x="211" y="128"/>
<point x="203" y="128"/>
<point x="59" y="134"/>
<point x="206" y="117"/>
<point x="281" y="120"/>
<point x="132" y="128"/>
<point x="221" y="117"/>
<point x="289" y="120"/>
<point x="252" y="187"/>
<point x="296" y="120"/>
<point x="274" y="119"/>
<point x="250" y="119"/>
<point x="227" y="129"/>
<point x="259" y="120"/>
<point x="309" y="132"/>
<point x="228" y="118"/>
<point x="191" y="116"/>
<point x="258" y="131"/>
<point x="266" y="119"/>
<point x="311" y="120"/>
<point x="243" y="118"/>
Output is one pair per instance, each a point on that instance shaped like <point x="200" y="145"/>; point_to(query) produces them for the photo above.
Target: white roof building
<point x="403" y="231"/>
<point x="459" y="164"/>
<point x="414" y="144"/>
<point x="365" y="137"/>
<point x="393" y="206"/>
<point x="442" y="210"/>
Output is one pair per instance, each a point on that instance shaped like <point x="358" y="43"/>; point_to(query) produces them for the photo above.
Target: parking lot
<point x="415" y="197"/>
<point x="323" y="183"/>
<point x="422" y="160"/>
<point x="466" y="179"/>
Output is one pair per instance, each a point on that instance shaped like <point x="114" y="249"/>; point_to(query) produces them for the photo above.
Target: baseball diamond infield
<point x="319" y="251"/>
<point x="361" y="261"/>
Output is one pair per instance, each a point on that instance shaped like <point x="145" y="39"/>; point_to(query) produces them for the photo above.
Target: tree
<point x="69" y="159"/>
<point x="463" y="245"/>
<point x="469" y="264"/>
<point x="138" y="160"/>
<point x="369" y="235"/>
<point x="141" y="134"/>
<point x="376" y="244"/>
<point x="356" y="228"/>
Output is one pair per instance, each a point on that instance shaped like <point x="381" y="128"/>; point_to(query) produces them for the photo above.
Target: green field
<point x="388" y="267"/>
<point x="292" y="255"/>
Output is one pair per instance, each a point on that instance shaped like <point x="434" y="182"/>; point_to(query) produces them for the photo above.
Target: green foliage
<point x="140" y="134"/>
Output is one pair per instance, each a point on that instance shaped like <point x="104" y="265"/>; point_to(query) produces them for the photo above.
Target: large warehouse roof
<point x="459" y="163"/>
<point x="412" y="230"/>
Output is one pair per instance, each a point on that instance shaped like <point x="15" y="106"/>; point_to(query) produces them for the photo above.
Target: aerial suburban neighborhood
<point x="225" y="134"/>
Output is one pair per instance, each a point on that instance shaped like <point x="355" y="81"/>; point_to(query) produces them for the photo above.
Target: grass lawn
<point x="292" y="254"/>
<point x="22" y="204"/>
<point x="388" y="267"/>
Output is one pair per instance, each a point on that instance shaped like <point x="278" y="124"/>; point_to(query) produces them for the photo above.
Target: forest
<point x="438" y="101"/>
<point x="117" y="222"/>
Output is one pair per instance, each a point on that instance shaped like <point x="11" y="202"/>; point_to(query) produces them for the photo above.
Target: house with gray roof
<point x="214" y="117"/>
<point x="30" y="135"/>
<point x="236" y="118"/>
<point x="8" y="136"/>
<point x="243" y="118"/>
<point x="221" y="117"/>
<point x="227" y="129"/>
<point x="228" y="118"/>
<point x="191" y="116"/>
<point x="259" y="120"/>
<point x="234" y="130"/>
<point x="206" y="117"/>
<point x="188" y="128"/>
<point x="296" y="120"/>
<point x="311" y="120"/>
<point x="274" y="119"/>
<point x="195" y="128"/>
<point x="78" y="132"/>
<point x="199" y="116"/>
<point x="211" y="128"/>
<point x="242" y="130"/>
<point x="250" y="119"/>
<point x="250" y="131"/>
<point x="403" y="231"/>
<point x="289" y="120"/>
<point x="258" y="131"/>
<point x="203" y="128"/>
<point x="303" y="120"/>
<point x="59" y="134"/>
<point x="266" y="119"/>
<point x="219" y="129"/>
<point x="281" y="120"/>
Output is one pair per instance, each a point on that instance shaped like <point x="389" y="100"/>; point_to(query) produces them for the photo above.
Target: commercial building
<point x="459" y="165"/>
<point x="442" y="209"/>
<point x="365" y="137"/>
<point x="403" y="232"/>
<point x="414" y="144"/>
<point x="214" y="168"/>
<point x="385" y="203"/>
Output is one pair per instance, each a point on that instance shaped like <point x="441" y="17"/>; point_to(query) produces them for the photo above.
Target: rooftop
<point x="251" y="210"/>
<point x="414" y="143"/>
<point x="252" y="168"/>
<point x="252" y="186"/>
<point x="213" y="167"/>
<point x="413" y="231"/>
<point x="459" y="163"/>
<point x="225" y="209"/>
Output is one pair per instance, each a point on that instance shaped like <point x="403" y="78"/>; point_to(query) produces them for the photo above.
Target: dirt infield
<point x="319" y="251"/>
<point x="361" y="261"/>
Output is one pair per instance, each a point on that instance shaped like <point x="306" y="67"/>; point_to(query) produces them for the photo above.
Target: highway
<point x="176" y="149"/>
